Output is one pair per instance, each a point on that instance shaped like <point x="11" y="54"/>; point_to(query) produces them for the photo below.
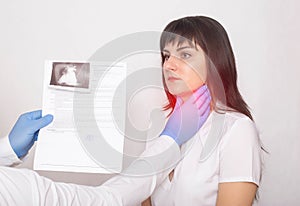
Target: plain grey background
<point x="265" y="39"/>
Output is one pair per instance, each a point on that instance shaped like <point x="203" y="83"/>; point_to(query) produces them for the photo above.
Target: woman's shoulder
<point x="231" y="117"/>
<point x="224" y="121"/>
<point x="239" y="128"/>
<point x="236" y="120"/>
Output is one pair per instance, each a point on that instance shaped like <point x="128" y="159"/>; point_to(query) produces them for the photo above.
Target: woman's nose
<point x="171" y="63"/>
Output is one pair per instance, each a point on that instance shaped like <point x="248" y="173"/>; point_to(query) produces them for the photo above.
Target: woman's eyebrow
<point x="178" y="49"/>
<point x="184" y="47"/>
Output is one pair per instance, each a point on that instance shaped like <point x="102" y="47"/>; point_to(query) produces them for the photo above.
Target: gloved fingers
<point x="42" y="122"/>
<point x="206" y="112"/>
<point x="33" y="114"/>
<point x="199" y="93"/>
<point x="205" y="106"/>
<point x="194" y="97"/>
<point x="202" y="99"/>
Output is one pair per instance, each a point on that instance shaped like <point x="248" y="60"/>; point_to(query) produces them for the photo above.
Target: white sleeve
<point x="140" y="179"/>
<point x="240" y="154"/>
<point x="26" y="187"/>
<point x="7" y="155"/>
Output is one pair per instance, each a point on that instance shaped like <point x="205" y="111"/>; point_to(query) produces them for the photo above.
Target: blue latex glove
<point x="188" y="117"/>
<point x="25" y="131"/>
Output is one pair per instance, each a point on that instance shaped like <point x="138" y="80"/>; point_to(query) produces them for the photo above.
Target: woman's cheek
<point x="195" y="83"/>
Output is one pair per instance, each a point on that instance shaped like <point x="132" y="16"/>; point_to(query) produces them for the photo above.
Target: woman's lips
<point x="172" y="79"/>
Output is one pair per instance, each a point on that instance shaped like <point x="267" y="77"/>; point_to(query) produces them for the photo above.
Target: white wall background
<point x="264" y="35"/>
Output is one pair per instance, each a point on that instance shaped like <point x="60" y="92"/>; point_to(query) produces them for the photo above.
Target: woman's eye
<point x="166" y="57"/>
<point x="185" y="55"/>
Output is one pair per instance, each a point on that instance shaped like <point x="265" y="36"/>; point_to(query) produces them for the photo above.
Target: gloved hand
<point x="25" y="131"/>
<point x="188" y="117"/>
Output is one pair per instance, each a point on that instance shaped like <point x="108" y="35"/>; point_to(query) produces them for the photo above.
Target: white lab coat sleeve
<point x="7" y="155"/>
<point x="26" y="187"/>
<point x="139" y="180"/>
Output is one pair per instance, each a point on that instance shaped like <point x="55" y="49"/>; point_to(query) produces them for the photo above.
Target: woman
<point x="196" y="50"/>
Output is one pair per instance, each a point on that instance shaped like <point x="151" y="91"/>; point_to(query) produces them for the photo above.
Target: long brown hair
<point x="221" y="75"/>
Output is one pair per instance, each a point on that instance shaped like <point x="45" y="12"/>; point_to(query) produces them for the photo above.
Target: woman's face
<point x="184" y="68"/>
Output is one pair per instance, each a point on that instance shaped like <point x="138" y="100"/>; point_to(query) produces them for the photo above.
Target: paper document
<point x="87" y="100"/>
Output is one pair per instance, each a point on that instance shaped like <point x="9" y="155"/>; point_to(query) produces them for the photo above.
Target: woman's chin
<point x="184" y="95"/>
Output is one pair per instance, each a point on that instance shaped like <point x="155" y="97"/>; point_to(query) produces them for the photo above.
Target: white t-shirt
<point x="235" y="156"/>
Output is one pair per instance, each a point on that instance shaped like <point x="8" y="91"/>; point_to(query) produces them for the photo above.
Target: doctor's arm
<point x="26" y="187"/>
